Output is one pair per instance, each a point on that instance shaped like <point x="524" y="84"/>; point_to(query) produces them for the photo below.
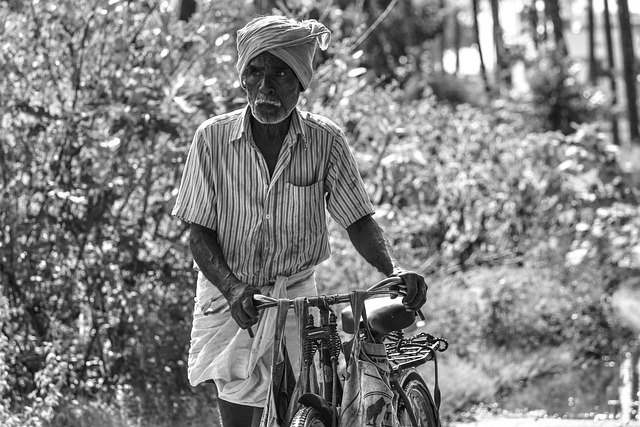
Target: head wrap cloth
<point x="292" y="41"/>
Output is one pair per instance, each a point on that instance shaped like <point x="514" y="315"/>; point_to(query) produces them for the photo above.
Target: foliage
<point x="392" y="34"/>
<point x="99" y="102"/>
<point x="562" y="100"/>
<point x="511" y="327"/>
<point x="458" y="90"/>
<point x="458" y="187"/>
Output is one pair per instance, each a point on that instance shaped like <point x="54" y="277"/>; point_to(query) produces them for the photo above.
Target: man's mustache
<point x="267" y="101"/>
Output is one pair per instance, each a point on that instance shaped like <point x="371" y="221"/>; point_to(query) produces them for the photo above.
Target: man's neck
<point x="269" y="134"/>
<point x="269" y="139"/>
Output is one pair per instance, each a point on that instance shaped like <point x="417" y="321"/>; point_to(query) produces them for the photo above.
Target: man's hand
<point x="416" y="289"/>
<point x="240" y="300"/>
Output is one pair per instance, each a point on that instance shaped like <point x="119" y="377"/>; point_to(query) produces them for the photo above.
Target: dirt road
<point x="493" y="421"/>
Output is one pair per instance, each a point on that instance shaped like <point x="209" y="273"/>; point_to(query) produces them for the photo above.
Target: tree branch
<point x="374" y="25"/>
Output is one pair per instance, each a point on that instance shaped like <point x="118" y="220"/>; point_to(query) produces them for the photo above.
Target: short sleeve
<point x="347" y="199"/>
<point x="196" y="198"/>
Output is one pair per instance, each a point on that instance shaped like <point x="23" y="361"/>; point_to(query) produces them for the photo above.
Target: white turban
<point x="292" y="41"/>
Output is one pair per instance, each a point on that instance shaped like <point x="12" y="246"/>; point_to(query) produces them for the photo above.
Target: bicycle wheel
<point x="307" y="417"/>
<point x="420" y="400"/>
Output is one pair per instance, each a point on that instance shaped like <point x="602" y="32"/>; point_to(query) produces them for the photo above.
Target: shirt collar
<point x="241" y="126"/>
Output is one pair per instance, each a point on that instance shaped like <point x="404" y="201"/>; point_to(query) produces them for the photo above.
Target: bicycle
<point x="386" y="317"/>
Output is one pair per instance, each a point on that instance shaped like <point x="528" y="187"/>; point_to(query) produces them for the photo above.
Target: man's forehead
<point x="267" y="59"/>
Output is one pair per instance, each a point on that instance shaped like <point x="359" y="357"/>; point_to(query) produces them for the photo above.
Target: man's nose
<point x="266" y="85"/>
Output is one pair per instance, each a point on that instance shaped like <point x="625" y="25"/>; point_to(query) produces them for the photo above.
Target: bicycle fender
<point x="319" y="404"/>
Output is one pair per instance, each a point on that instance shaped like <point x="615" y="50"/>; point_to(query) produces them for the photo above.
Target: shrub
<point x="100" y="106"/>
<point x="561" y="99"/>
<point x="458" y="90"/>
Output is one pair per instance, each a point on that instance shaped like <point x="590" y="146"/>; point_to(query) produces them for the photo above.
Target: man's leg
<point x="234" y="415"/>
<point x="257" y="416"/>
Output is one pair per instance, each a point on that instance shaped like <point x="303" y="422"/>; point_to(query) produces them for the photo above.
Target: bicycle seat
<point x="384" y="314"/>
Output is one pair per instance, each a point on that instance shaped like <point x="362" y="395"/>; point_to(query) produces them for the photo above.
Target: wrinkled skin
<point x="272" y="88"/>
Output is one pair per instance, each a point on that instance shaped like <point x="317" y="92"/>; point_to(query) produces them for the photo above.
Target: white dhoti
<point x="221" y="351"/>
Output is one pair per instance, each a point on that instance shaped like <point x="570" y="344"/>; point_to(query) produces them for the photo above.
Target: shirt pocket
<point x="304" y="209"/>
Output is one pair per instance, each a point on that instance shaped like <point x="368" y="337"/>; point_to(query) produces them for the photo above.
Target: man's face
<point x="272" y="88"/>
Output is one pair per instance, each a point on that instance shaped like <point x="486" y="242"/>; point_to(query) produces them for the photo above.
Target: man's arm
<point x="369" y="240"/>
<point x="208" y="255"/>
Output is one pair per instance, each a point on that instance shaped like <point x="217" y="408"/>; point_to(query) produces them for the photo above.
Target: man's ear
<point x="243" y="82"/>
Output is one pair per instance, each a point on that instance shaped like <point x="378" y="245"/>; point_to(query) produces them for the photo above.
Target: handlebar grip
<point x="261" y="301"/>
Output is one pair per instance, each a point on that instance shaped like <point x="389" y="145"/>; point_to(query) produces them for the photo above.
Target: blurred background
<point x="498" y="140"/>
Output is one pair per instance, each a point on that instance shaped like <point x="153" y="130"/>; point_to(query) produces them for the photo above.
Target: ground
<point x="531" y="421"/>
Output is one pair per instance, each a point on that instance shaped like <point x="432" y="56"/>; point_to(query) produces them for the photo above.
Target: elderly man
<point x="256" y="188"/>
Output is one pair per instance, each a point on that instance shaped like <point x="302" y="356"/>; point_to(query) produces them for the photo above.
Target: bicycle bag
<point x="367" y="398"/>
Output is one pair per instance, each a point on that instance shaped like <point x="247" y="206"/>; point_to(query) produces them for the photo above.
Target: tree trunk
<point x="628" y="60"/>
<point x="443" y="37"/>
<point x="593" y="73"/>
<point x="502" y="63"/>
<point x="476" y="28"/>
<point x="457" y="33"/>
<point x="552" y="12"/>
<point x="629" y="384"/>
<point x="611" y="73"/>
<point x="532" y="17"/>
<point x="187" y="9"/>
<point x="265" y="6"/>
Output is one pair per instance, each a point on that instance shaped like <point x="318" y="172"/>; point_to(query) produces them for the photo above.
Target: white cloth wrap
<point x="221" y="351"/>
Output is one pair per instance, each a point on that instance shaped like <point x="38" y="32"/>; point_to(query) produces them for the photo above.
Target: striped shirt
<point x="270" y="226"/>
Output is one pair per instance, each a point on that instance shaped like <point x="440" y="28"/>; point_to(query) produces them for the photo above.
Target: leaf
<point x="184" y="105"/>
<point x="66" y="195"/>
<point x="576" y="257"/>
<point x="583" y="183"/>
<point x="111" y="144"/>
<point x="356" y="72"/>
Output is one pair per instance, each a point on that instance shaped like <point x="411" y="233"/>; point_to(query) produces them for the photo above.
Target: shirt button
<point x="267" y="216"/>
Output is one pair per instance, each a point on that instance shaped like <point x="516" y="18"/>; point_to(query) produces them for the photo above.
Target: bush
<point x="99" y="108"/>
<point x="458" y="90"/>
<point x="100" y="103"/>
<point x="561" y="99"/>
<point x="527" y="228"/>
<point x="515" y="330"/>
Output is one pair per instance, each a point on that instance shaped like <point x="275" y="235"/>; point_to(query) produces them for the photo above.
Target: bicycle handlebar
<point x="392" y="286"/>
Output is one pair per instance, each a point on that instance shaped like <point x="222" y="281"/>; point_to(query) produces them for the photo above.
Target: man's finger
<point x="422" y="299"/>
<point x="249" y="308"/>
<point x="242" y="318"/>
<point x="394" y="288"/>
<point x="412" y="289"/>
<point x="416" y="292"/>
<point x="239" y="320"/>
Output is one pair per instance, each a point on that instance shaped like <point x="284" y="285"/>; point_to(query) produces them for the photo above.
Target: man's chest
<point x="289" y="203"/>
<point x="248" y="170"/>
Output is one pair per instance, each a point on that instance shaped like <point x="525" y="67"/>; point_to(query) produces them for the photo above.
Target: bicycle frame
<point x="324" y="338"/>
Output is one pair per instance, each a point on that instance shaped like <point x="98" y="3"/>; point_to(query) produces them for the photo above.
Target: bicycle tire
<point x="420" y="400"/>
<point x="307" y="417"/>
